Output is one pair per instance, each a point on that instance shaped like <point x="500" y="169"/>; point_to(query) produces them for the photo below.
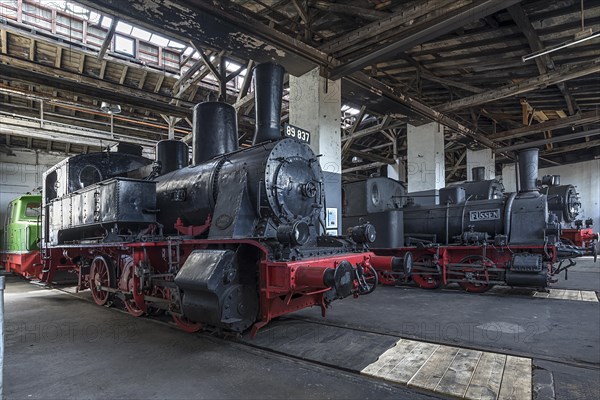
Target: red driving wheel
<point x="472" y="274"/>
<point x="101" y="275"/>
<point x="424" y="274"/>
<point x="130" y="305"/>
<point x="187" y="325"/>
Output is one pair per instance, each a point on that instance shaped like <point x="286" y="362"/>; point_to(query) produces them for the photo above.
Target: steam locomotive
<point x="510" y="238"/>
<point x="231" y="241"/>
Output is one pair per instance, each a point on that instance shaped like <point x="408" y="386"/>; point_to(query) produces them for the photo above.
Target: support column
<point x="509" y="177"/>
<point x="397" y="171"/>
<point x="315" y="105"/>
<point x="481" y="158"/>
<point x="425" y="167"/>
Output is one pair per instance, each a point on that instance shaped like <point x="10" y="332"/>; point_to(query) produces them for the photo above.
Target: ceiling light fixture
<point x="110" y="108"/>
<point x="579" y="38"/>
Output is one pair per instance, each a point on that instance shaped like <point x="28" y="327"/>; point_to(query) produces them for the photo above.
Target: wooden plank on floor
<point x="587" y="295"/>
<point x="456" y="379"/>
<point x="556" y="293"/>
<point x="571" y="295"/>
<point x="434" y="369"/>
<point x="485" y="383"/>
<point x="410" y="365"/>
<point x="388" y="360"/>
<point x="541" y="294"/>
<point x="516" y="380"/>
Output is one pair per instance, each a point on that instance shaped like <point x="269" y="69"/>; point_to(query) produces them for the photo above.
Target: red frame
<point x="445" y="256"/>
<point x="285" y="286"/>
<point x="580" y="237"/>
<point x="27" y="264"/>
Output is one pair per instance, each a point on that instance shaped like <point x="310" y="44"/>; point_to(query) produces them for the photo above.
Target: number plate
<point x="296" y="133"/>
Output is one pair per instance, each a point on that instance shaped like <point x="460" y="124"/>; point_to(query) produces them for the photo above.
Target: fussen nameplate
<point x="484" y="215"/>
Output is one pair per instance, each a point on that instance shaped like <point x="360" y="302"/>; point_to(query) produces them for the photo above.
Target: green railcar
<point x="20" y="236"/>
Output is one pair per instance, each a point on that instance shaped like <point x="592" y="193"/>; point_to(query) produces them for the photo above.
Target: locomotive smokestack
<point x="172" y="155"/>
<point x="268" y="91"/>
<point x="478" y="174"/>
<point x="528" y="169"/>
<point x="215" y="131"/>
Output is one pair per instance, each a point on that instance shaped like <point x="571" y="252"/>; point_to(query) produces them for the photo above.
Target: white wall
<point x="585" y="176"/>
<point x="509" y="177"/>
<point x="22" y="173"/>
<point x="481" y="158"/>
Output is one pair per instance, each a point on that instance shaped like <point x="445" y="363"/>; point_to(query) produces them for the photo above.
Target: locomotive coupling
<point x="344" y="280"/>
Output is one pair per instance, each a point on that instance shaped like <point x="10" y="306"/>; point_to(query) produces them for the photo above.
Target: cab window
<point x="8" y="218"/>
<point x="32" y="210"/>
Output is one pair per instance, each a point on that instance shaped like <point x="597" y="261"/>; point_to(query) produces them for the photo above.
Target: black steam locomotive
<point x="477" y="240"/>
<point x="230" y="241"/>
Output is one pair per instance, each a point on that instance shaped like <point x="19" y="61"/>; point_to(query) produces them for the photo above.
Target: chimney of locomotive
<point x="214" y="132"/>
<point x="528" y="170"/>
<point x="478" y="174"/>
<point x="172" y="155"/>
<point x="268" y="93"/>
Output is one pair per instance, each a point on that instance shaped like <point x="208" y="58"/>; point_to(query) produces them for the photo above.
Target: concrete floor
<point x="562" y="337"/>
<point x="59" y="346"/>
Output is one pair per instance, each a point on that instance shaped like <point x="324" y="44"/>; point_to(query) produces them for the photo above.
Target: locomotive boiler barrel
<point x="283" y="181"/>
<point x="443" y="223"/>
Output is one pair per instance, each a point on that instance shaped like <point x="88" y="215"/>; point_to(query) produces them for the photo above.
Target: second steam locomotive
<point x="477" y="241"/>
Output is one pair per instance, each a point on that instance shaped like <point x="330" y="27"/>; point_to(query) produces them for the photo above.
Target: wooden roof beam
<point x="539" y="82"/>
<point x="572" y="121"/>
<point x="555" y="139"/>
<point x="543" y="62"/>
<point x="27" y="71"/>
<point x="408" y="13"/>
<point x="420" y="33"/>
<point x="361" y="12"/>
<point x="108" y="38"/>
<point x="371" y="156"/>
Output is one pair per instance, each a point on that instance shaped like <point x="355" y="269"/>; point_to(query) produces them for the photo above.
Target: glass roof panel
<point x="141" y="33"/>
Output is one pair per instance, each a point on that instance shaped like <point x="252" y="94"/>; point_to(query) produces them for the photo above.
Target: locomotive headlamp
<point x="363" y="233"/>
<point x="296" y="234"/>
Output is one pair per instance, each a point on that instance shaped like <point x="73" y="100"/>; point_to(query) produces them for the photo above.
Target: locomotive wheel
<point x="130" y="305"/>
<point x="421" y="275"/>
<point x="187" y="325"/>
<point x="474" y="287"/>
<point x="102" y="274"/>
<point x="163" y="293"/>
<point x="386" y="279"/>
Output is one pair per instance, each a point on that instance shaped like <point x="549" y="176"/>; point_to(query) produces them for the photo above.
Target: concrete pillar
<point x="397" y="171"/>
<point x="509" y="177"/>
<point x="315" y="105"/>
<point x="481" y="158"/>
<point x="425" y="167"/>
